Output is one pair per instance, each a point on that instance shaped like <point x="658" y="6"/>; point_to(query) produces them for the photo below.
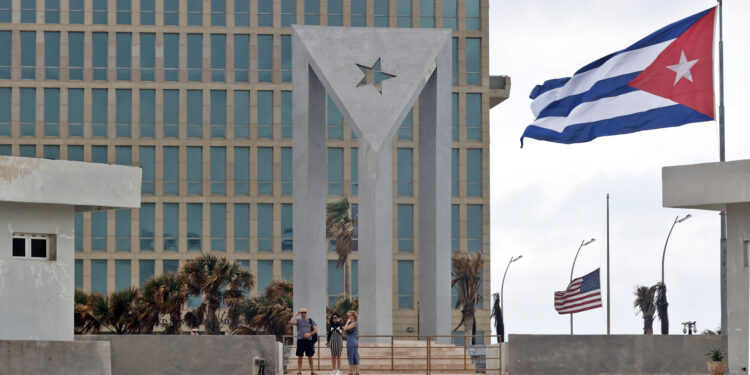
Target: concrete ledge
<point x="709" y="186"/>
<point x="55" y="357"/>
<point x="616" y="354"/>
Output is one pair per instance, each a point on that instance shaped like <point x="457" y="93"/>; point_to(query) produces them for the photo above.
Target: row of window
<point x="217" y="12"/>
<point x="191" y="180"/>
<point x="170" y="44"/>
<point x="220" y="105"/>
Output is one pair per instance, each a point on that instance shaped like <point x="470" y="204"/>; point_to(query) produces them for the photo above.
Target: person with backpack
<point x="307" y="336"/>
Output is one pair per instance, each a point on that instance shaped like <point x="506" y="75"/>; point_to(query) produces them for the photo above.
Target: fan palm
<point x="269" y="312"/>
<point x="497" y="314"/>
<point x="467" y="269"/>
<point x="217" y="280"/>
<point x="84" y="320"/>
<point x="340" y="227"/>
<point x="343" y="305"/>
<point x="164" y="295"/>
<point x="644" y="301"/>
<point x="661" y="307"/>
<point x="115" y="312"/>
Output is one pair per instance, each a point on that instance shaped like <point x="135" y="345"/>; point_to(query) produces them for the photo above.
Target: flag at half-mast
<point x="583" y="293"/>
<point x="661" y="81"/>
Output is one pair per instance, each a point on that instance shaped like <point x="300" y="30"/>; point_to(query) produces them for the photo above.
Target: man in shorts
<point x="306" y="328"/>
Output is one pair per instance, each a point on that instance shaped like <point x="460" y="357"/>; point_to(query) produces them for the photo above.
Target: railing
<point x="407" y="354"/>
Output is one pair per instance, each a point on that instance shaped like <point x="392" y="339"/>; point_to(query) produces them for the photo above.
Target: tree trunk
<point x="662" y="308"/>
<point x="211" y="323"/>
<point x="468" y="317"/>
<point x="648" y="323"/>
<point x="500" y="327"/>
<point x="347" y="281"/>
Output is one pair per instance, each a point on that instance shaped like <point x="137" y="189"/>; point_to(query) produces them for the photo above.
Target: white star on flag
<point x="683" y="69"/>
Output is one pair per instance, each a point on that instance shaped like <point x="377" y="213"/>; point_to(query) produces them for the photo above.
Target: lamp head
<point x="688" y="216"/>
<point x="517" y="258"/>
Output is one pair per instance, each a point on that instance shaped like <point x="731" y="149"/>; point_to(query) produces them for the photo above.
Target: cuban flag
<point x="663" y="80"/>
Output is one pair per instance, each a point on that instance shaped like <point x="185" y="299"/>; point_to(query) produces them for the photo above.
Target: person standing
<point x="334" y="342"/>
<point x="352" y="343"/>
<point x="306" y="331"/>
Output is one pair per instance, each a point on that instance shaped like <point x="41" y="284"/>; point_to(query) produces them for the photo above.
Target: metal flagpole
<point x="722" y="158"/>
<point x="608" y="331"/>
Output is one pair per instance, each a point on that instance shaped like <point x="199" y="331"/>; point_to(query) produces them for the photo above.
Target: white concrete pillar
<point x="738" y="286"/>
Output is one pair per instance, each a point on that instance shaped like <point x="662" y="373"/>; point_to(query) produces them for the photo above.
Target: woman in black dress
<point x="334" y="342"/>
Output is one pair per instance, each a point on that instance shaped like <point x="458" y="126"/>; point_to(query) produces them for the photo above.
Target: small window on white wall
<point x="34" y="246"/>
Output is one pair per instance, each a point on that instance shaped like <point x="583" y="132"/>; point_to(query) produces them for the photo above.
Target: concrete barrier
<point x="55" y="357"/>
<point x="188" y="355"/>
<point x="616" y="354"/>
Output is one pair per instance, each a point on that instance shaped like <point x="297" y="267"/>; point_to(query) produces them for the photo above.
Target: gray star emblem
<point x="373" y="76"/>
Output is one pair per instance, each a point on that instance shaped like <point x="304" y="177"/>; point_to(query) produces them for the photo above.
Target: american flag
<point x="583" y="293"/>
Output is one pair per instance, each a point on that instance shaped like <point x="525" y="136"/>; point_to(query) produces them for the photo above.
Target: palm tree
<point x="115" y="311"/>
<point x="661" y="307"/>
<point x="340" y="226"/>
<point x="644" y="301"/>
<point x="269" y="312"/>
<point x="467" y="269"/>
<point x="84" y="320"/>
<point x="164" y="295"/>
<point x="343" y="305"/>
<point x="497" y="314"/>
<point x="217" y="280"/>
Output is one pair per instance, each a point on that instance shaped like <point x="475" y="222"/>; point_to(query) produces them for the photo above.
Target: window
<point x="147" y="165"/>
<point x="33" y="246"/>
<point x="455" y="60"/>
<point x="124" y="8"/>
<point x="241" y="171"/>
<point x="335" y="13"/>
<point x="265" y="114"/>
<point x="265" y="171"/>
<point x="265" y="13"/>
<point x="335" y="282"/>
<point x="312" y="12"/>
<point x="122" y="230"/>
<point x="122" y="274"/>
<point x="405" y="161"/>
<point x="241" y="57"/>
<point x="5" y="11"/>
<point x="123" y="113"/>
<point x="218" y="170"/>
<point x="99" y="154"/>
<point x="171" y="113"/>
<point x="148" y="12"/>
<point x="473" y="61"/>
<point x="426" y="13"/>
<point x="450" y="14"/>
<point x="473" y="20"/>
<point x="218" y="57"/>
<point x="241" y="227"/>
<point x="147" y="112"/>
<point x="287" y="233"/>
<point x="28" y="54"/>
<point x="405" y="130"/>
<point x="405" y="284"/>
<point x="171" y="57"/>
<point x="5" y="111"/>
<point x="171" y="228"/>
<point x="355" y="170"/>
<point x="79" y="273"/>
<point x="381" y="14"/>
<point x="75" y="113"/>
<point x="241" y="114"/>
<point x="99" y="276"/>
<point x="5" y="150"/>
<point x="265" y="227"/>
<point x="218" y="113"/>
<point x="218" y="226"/>
<point x="335" y="121"/>
<point x="171" y="184"/>
<point x="287" y="270"/>
<point x="241" y="13"/>
<point x="358" y="13"/>
<point x="286" y="58"/>
<point x="194" y="56"/>
<point x="51" y="55"/>
<point x="75" y="55"/>
<point x="171" y="12"/>
<point x="194" y="113"/>
<point x="5" y="59"/>
<point x="27" y="151"/>
<point x="355" y="277"/>
<point x="195" y="12"/>
<point x="474" y="227"/>
<point x="75" y="13"/>
<point x="405" y="227"/>
<point x="51" y="112"/>
<point x="194" y="226"/>
<point x="455" y="232"/>
<point x="286" y="171"/>
<point x="123" y="155"/>
<point x="99" y="54"/>
<point x="170" y="266"/>
<point x="286" y="114"/>
<point x="194" y="170"/>
<point x="219" y="12"/>
<point x="75" y="153"/>
<point x="454" y="172"/>
<point x="51" y="152"/>
<point x="473" y="117"/>
<point x="145" y="270"/>
<point x="28" y="11"/>
<point x="28" y="112"/>
<point x="288" y="12"/>
<point x="148" y="56"/>
<point x="403" y="13"/>
<point x="454" y="116"/>
<point x="265" y="274"/>
<point x="474" y="172"/>
<point x="335" y="170"/>
<point x="99" y="231"/>
<point x="99" y="14"/>
<point x="265" y="58"/>
<point x="99" y="110"/>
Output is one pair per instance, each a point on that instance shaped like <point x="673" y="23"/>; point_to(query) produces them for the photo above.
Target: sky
<point x="546" y="198"/>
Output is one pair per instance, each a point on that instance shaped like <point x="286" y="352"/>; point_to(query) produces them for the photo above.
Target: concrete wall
<point x="187" y="355"/>
<point x="54" y="357"/>
<point x="616" y="354"/>
<point x="738" y="285"/>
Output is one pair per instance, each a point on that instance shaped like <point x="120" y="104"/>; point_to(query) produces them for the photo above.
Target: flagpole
<point x="722" y="158"/>
<point x="608" y="331"/>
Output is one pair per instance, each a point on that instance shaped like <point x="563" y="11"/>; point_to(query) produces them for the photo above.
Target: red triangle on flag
<point x="683" y="72"/>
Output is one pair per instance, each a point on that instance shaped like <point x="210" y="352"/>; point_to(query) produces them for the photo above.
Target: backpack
<point x="314" y="337"/>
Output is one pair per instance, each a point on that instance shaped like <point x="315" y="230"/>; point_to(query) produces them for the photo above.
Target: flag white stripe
<point x="578" y="302"/>
<point x="624" y="63"/>
<point x="578" y="308"/>
<point x="582" y="295"/>
<point x="605" y="108"/>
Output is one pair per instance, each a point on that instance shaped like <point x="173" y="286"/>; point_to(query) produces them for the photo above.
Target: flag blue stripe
<point x="548" y="85"/>
<point x="602" y="89"/>
<point x="664" y="117"/>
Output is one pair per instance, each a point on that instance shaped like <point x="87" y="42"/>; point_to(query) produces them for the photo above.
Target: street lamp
<point x="583" y="243"/>
<point x="689" y="327"/>
<point x="502" y="286"/>
<point x="664" y="254"/>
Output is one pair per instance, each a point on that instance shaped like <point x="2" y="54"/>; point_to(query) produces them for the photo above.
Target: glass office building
<point x="198" y="94"/>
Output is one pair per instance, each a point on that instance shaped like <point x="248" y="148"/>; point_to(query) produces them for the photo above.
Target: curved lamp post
<point x="583" y="243"/>
<point x="502" y="286"/>
<point x="664" y="254"/>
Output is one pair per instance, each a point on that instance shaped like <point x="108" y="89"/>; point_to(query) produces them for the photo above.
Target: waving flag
<point x="663" y="80"/>
<point x="583" y="293"/>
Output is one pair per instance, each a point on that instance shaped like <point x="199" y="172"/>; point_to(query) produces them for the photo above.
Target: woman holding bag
<point x="334" y="342"/>
<point x="352" y="343"/>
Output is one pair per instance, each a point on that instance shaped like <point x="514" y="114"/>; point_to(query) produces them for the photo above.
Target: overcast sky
<point x="547" y="197"/>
